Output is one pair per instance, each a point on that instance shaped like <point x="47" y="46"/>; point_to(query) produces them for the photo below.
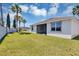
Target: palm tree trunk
<point x="24" y="25"/>
<point x="19" y="26"/>
<point x="17" y="20"/>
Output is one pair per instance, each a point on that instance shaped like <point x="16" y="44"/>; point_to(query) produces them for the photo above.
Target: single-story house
<point x="65" y="27"/>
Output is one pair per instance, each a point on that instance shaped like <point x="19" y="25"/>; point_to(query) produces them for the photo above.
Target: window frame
<point x="52" y="26"/>
<point x="56" y="26"/>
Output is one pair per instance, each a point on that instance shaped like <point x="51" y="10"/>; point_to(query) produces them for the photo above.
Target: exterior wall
<point x="75" y="28"/>
<point x="34" y="29"/>
<point x="2" y="31"/>
<point x="65" y="27"/>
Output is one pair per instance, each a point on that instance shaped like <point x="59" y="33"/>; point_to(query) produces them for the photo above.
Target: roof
<point x="56" y="19"/>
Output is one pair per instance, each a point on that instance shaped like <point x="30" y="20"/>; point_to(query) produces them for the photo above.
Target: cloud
<point x="68" y="11"/>
<point x="38" y="12"/>
<point x="24" y="8"/>
<point x="54" y="9"/>
<point x="55" y="5"/>
<point x="33" y="9"/>
<point x="43" y="12"/>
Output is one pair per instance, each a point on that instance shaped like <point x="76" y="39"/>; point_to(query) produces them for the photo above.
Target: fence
<point x="2" y="32"/>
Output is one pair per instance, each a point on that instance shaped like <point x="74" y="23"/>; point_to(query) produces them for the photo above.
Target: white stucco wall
<point x="65" y="30"/>
<point x="2" y="31"/>
<point x="34" y="29"/>
<point x="66" y="27"/>
<point x="75" y="28"/>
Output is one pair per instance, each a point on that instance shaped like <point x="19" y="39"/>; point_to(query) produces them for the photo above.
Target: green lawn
<point x="28" y="44"/>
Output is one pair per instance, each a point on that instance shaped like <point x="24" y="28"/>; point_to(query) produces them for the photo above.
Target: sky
<point x="35" y="12"/>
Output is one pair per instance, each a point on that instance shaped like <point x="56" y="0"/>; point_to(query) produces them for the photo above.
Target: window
<point x="56" y="26"/>
<point x="53" y="26"/>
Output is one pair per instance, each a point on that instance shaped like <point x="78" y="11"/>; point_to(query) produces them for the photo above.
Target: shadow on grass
<point x="3" y="38"/>
<point x="76" y="38"/>
<point x="10" y="33"/>
<point x="22" y="33"/>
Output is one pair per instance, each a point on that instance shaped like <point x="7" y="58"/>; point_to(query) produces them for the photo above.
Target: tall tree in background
<point x="16" y="9"/>
<point x="75" y="10"/>
<point x="24" y="21"/>
<point x="2" y="22"/>
<point x="19" y="19"/>
<point x="8" y="21"/>
<point x="14" y="24"/>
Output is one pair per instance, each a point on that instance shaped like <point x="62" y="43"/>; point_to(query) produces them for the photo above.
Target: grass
<point x="28" y="44"/>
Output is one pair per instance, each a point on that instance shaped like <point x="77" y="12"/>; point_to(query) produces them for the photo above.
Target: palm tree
<point x="16" y="9"/>
<point x="19" y="19"/>
<point x="75" y="10"/>
<point x="2" y="23"/>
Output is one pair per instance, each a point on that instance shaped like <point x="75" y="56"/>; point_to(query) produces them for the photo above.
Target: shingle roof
<point x="57" y="19"/>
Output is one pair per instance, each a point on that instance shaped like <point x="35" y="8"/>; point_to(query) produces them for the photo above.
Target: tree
<point x="8" y="21"/>
<point x="75" y="10"/>
<point x="19" y="18"/>
<point x="2" y="22"/>
<point x="16" y="9"/>
<point x="24" y="21"/>
<point x="14" y="23"/>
